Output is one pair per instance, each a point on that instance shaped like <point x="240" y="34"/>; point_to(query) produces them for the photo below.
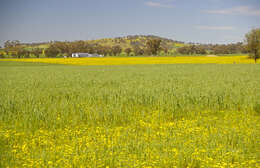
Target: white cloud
<point x="158" y="5"/>
<point x="215" y="27"/>
<point x="240" y="10"/>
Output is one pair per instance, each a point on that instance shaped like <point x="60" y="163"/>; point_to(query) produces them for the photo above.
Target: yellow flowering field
<point x="141" y="60"/>
<point x="129" y="116"/>
<point x="211" y="141"/>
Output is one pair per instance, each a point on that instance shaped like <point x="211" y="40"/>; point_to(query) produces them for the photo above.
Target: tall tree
<point x="12" y="47"/>
<point x="37" y="52"/>
<point x="21" y="52"/>
<point x="11" y="44"/>
<point x="153" y="46"/>
<point x="128" y="51"/>
<point x="138" y="50"/>
<point x="253" y="43"/>
<point x="52" y="51"/>
<point x="116" y="50"/>
<point x="2" y="55"/>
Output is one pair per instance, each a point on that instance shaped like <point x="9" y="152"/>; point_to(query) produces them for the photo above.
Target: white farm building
<point x="80" y="55"/>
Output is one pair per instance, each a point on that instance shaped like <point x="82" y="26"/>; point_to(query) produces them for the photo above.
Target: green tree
<point x="63" y="47"/>
<point x="12" y="47"/>
<point x="132" y="54"/>
<point x="184" y="50"/>
<point x="2" y="55"/>
<point x="21" y="52"/>
<point x="164" y="49"/>
<point x="128" y="51"/>
<point x="105" y="50"/>
<point x="37" y="52"/>
<point x="253" y="43"/>
<point x="52" y="51"/>
<point x="11" y="44"/>
<point x="153" y="46"/>
<point x="116" y="50"/>
<point x="138" y="50"/>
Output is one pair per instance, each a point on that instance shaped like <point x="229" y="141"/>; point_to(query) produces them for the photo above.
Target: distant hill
<point x="137" y="40"/>
<point x="123" y="42"/>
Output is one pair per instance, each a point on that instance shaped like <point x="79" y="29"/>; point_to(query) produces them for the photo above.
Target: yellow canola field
<point x="141" y="60"/>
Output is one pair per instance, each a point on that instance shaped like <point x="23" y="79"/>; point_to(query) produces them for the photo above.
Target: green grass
<point x="129" y="116"/>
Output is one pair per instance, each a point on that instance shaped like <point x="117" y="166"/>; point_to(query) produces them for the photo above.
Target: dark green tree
<point x="37" y="52"/>
<point x="153" y="46"/>
<point x="2" y="55"/>
<point x="253" y="43"/>
<point x="138" y="50"/>
<point x="116" y="50"/>
<point x="12" y="48"/>
<point x="52" y="51"/>
<point x="128" y="51"/>
<point x="11" y="44"/>
<point x="23" y="53"/>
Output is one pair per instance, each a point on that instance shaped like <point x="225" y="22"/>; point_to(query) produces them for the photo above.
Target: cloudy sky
<point x="204" y="21"/>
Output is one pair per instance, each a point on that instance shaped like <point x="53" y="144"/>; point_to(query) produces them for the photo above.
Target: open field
<point x="129" y="116"/>
<point x="141" y="60"/>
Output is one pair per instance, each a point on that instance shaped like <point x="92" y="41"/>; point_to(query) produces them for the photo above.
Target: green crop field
<point x="129" y="116"/>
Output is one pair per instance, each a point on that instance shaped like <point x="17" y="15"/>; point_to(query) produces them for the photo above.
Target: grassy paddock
<point x="141" y="60"/>
<point x="129" y="116"/>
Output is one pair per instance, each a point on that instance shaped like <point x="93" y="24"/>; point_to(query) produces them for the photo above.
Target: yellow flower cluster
<point x="204" y="141"/>
<point x="141" y="60"/>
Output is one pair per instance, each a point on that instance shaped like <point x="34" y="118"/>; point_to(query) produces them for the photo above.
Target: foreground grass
<point x="141" y="60"/>
<point x="129" y="116"/>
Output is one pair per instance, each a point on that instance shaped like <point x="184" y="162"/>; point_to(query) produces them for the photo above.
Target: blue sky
<point x="204" y="21"/>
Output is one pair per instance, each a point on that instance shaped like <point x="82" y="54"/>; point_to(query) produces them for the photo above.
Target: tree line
<point x="59" y="49"/>
<point x="16" y="50"/>
<point x="216" y="49"/>
<point x="153" y="46"/>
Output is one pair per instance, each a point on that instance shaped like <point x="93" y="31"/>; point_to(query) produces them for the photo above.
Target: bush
<point x="123" y="54"/>
<point x="162" y="53"/>
<point x="2" y="55"/>
<point x="132" y="54"/>
<point x="52" y="51"/>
